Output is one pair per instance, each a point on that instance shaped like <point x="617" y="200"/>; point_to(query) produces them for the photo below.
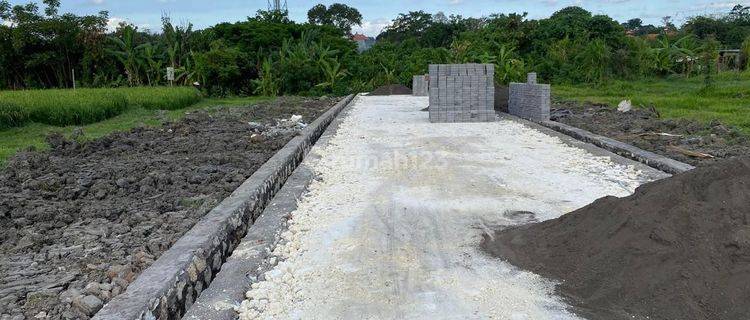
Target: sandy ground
<point x="391" y="228"/>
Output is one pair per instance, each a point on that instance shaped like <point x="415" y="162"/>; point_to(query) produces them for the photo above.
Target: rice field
<point x="63" y="107"/>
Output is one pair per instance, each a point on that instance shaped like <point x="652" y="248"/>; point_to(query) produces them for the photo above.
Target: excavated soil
<point x="78" y="223"/>
<point x="644" y="128"/>
<point x="391" y="89"/>
<point x="678" y="248"/>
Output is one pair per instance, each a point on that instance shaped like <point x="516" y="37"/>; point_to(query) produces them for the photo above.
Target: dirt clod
<point x="678" y="248"/>
<point x="82" y="220"/>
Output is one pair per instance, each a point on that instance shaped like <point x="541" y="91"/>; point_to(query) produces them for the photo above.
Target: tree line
<point x="269" y="54"/>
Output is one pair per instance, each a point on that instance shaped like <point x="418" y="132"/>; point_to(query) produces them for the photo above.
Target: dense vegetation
<point x="270" y="55"/>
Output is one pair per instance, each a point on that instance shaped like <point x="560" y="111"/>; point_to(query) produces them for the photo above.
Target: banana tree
<point x="126" y="52"/>
<point x="333" y="73"/>
<point x="152" y="63"/>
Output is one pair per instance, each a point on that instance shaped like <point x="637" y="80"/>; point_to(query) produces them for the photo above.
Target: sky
<point x="378" y="13"/>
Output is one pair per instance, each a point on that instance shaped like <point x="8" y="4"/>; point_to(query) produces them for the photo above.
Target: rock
<point x="92" y="288"/>
<point x="625" y="106"/>
<point x="88" y="305"/>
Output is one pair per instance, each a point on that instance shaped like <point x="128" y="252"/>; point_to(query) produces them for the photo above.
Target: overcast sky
<point x="378" y="13"/>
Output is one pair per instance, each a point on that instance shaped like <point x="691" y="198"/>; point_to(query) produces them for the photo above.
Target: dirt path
<point x="80" y="222"/>
<point x="391" y="228"/>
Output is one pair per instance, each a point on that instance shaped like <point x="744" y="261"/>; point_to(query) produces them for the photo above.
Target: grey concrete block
<point x="529" y="100"/>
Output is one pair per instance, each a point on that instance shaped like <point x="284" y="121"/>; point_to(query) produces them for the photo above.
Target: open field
<point x="33" y="134"/>
<point x="728" y="102"/>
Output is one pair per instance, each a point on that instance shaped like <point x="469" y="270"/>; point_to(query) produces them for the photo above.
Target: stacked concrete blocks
<point x="419" y="87"/>
<point x="530" y="100"/>
<point x="462" y="92"/>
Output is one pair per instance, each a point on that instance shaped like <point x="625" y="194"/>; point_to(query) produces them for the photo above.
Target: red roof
<point x="359" y="37"/>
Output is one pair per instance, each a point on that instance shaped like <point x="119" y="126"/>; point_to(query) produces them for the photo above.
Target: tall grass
<point x="60" y="107"/>
<point x="161" y="98"/>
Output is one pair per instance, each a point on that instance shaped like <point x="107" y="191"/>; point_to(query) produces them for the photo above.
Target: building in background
<point x="364" y="42"/>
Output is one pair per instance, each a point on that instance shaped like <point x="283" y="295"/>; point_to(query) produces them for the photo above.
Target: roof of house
<point x="360" y="37"/>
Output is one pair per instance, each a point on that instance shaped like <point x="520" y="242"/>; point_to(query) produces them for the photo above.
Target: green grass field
<point x="675" y="97"/>
<point x="33" y="134"/>
<point x="83" y="106"/>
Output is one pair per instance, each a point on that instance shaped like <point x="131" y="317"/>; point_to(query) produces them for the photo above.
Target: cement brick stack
<point x="530" y="100"/>
<point x="419" y="87"/>
<point x="462" y="92"/>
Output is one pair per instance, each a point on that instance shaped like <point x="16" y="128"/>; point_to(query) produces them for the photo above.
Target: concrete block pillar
<point x="420" y="86"/>
<point x="530" y="100"/>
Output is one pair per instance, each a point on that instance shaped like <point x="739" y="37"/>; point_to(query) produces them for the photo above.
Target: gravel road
<point x="391" y="227"/>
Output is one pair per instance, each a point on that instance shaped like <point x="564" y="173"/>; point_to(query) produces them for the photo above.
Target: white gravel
<point x="391" y="229"/>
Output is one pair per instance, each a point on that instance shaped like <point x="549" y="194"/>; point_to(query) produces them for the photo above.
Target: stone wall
<point x="530" y="100"/>
<point x="462" y="92"/>
<point x="168" y="288"/>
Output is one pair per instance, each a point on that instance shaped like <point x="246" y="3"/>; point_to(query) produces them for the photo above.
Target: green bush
<point x="11" y="115"/>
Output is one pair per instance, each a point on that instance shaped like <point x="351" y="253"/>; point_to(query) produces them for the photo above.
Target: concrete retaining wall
<point x="462" y="92"/>
<point x="623" y="149"/>
<point x="170" y="286"/>
<point x="250" y="261"/>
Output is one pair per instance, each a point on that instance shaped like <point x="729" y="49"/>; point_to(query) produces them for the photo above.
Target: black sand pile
<point x="391" y="89"/>
<point x="678" y="248"/>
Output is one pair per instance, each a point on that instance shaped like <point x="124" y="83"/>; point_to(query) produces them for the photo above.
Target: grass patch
<point x="675" y="97"/>
<point x="161" y="98"/>
<point x="63" y="107"/>
<point x="33" y="134"/>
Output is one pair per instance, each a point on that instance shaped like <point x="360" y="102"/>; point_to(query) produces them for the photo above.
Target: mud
<point x="391" y="89"/>
<point x="678" y="248"/>
<point x="81" y="221"/>
<point x="644" y="128"/>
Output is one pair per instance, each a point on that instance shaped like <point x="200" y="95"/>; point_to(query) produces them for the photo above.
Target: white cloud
<point x="7" y="23"/>
<point x="455" y="1"/>
<point x="114" y="22"/>
<point x="372" y="27"/>
<point x="96" y="2"/>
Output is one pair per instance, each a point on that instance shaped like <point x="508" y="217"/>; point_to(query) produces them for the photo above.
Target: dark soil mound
<point x="391" y="89"/>
<point x="678" y="248"/>
<point x="84" y="219"/>
<point x="644" y="128"/>
<point x="502" y="93"/>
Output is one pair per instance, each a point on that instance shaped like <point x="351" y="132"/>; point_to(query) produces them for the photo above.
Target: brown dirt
<point x="642" y="128"/>
<point x="84" y="219"/>
<point x="391" y="89"/>
<point x="678" y="248"/>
